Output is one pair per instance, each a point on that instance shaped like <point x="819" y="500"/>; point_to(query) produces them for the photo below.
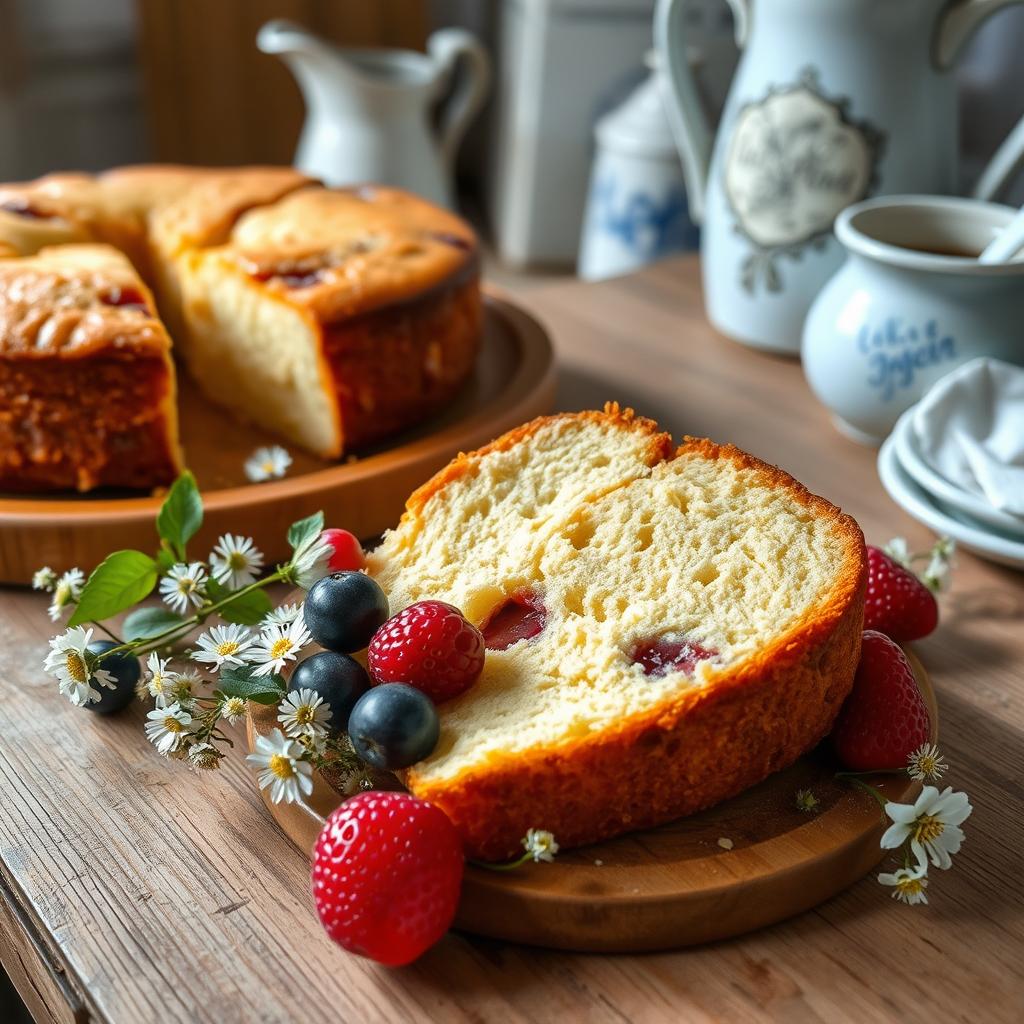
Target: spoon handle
<point x="1005" y="245"/>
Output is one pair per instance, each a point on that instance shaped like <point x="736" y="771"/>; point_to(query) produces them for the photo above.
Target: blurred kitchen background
<point x="92" y="85"/>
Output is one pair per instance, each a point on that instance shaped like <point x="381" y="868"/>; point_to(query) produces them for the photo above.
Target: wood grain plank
<point x="171" y="896"/>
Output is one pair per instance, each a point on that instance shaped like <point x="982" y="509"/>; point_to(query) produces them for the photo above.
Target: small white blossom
<point x="233" y="710"/>
<point x="908" y="884"/>
<point x="940" y="564"/>
<point x="304" y="712"/>
<point x="160" y="683"/>
<point x="310" y="561"/>
<point x="925" y="763"/>
<point x="225" y="645"/>
<point x="66" y="591"/>
<point x="235" y="561"/>
<point x="278" y="645"/>
<point x="931" y="823"/>
<point x="267" y="464"/>
<point x="898" y="551"/>
<point x="168" y="727"/>
<point x="44" y="579"/>
<point x="183" y="585"/>
<point x="283" y="615"/>
<point x="68" y="662"/>
<point x="281" y="768"/>
<point x="183" y="689"/>
<point x="540" y="844"/>
<point x="204" y="756"/>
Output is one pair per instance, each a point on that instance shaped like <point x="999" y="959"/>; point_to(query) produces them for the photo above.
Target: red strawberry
<point x="429" y="645"/>
<point x="348" y="552"/>
<point x="387" y="870"/>
<point x="898" y="603"/>
<point x="885" y="718"/>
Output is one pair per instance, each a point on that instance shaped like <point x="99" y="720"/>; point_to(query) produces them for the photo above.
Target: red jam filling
<point x="522" y="617"/>
<point x="125" y="298"/>
<point x="662" y="655"/>
<point x="23" y="209"/>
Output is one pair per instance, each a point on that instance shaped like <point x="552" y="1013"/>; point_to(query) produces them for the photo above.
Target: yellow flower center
<point x="928" y="828"/>
<point x="268" y="466"/>
<point x="234" y="706"/>
<point x="281" y="766"/>
<point x="910" y="886"/>
<point x="236" y="560"/>
<point x="280" y="648"/>
<point x="186" y="585"/>
<point x="927" y="764"/>
<point x="228" y="647"/>
<point x="62" y="594"/>
<point x="173" y="725"/>
<point x="304" y="714"/>
<point x="76" y="667"/>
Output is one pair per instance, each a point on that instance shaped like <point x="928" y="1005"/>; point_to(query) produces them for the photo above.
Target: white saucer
<point x="945" y="494"/>
<point x="914" y="500"/>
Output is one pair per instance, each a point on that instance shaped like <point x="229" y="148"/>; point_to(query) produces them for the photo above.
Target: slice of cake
<point x="663" y="631"/>
<point x="335" y="317"/>
<point x="87" y="388"/>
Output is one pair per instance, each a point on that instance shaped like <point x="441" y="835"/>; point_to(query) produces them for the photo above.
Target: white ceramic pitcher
<point x="833" y="100"/>
<point x="370" y="113"/>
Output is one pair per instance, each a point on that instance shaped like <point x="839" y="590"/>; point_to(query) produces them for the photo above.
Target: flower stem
<point x="510" y="866"/>
<point x="99" y="625"/>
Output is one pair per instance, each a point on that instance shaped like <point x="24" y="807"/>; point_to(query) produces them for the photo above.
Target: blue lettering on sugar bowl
<point x="896" y="353"/>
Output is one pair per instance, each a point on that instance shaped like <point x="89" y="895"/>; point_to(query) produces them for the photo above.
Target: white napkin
<point x="969" y="427"/>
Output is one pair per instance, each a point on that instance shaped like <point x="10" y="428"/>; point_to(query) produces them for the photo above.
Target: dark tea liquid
<point x="945" y="250"/>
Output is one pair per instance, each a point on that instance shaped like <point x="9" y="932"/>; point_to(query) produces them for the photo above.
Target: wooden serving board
<point x="676" y="885"/>
<point x="514" y="381"/>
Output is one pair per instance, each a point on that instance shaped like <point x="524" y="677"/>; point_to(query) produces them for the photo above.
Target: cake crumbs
<point x="598" y="863"/>
<point x="724" y="843"/>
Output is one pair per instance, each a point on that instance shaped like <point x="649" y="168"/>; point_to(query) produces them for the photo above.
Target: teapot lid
<point x="640" y="124"/>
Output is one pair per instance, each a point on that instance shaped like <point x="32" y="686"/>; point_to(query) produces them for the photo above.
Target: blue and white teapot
<point x="832" y="102"/>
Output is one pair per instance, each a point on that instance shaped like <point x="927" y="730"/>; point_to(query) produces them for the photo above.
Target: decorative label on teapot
<point x="794" y="161"/>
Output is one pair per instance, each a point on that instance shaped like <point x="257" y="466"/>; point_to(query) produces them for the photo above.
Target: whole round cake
<point x="332" y="317"/>
<point x="665" y="628"/>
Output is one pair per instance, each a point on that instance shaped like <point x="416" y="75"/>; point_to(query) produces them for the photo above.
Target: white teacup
<point x="910" y="303"/>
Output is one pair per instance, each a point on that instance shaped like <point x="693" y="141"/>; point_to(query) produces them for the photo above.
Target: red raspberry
<point x="348" y="552"/>
<point x="387" y="870"/>
<point x="897" y="603"/>
<point x="885" y="718"/>
<point x="429" y="645"/>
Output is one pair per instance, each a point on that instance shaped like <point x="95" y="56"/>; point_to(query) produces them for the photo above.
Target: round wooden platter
<point x="514" y="381"/>
<point x="746" y="863"/>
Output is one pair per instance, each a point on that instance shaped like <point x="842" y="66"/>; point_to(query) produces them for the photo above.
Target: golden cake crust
<point x="700" y="746"/>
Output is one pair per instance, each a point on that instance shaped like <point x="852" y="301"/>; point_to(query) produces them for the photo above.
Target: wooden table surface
<point x="133" y="890"/>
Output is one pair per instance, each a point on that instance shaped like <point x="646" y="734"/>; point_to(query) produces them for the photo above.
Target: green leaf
<point x="146" y="622"/>
<point x="119" y="581"/>
<point x="181" y="513"/>
<point x="246" y="609"/>
<point x="239" y="682"/>
<point x="305" y="530"/>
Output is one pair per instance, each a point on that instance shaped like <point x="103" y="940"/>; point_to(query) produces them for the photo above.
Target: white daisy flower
<point x="277" y="757"/>
<point x="183" y="689"/>
<point x="304" y="712"/>
<point x="278" y="645"/>
<point x="898" y="551"/>
<point x="233" y="710"/>
<point x="235" y="561"/>
<point x="267" y="464"/>
<point x="925" y="764"/>
<point x="940" y="564"/>
<point x="931" y="823"/>
<point x="183" y="585"/>
<point x="225" y="645"/>
<point x="283" y="615"/>
<point x="540" y="845"/>
<point x="160" y="683"/>
<point x="205" y="756"/>
<point x="908" y="884"/>
<point x="310" y="561"/>
<point x="67" y="661"/>
<point x="44" y="579"/>
<point x="168" y="727"/>
<point x="66" y="591"/>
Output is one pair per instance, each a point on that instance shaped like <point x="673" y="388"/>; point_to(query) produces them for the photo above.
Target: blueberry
<point x="126" y="672"/>
<point x="393" y="726"/>
<point x="338" y="679"/>
<point x="344" y="610"/>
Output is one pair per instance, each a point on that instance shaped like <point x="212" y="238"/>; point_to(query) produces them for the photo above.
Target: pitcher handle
<point x="679" y="90"/>
<point x="448" y="46"/>
<point x="956" y="26"/>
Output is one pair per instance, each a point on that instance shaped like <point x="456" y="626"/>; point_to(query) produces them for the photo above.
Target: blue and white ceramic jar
<point x="910" y="303"/>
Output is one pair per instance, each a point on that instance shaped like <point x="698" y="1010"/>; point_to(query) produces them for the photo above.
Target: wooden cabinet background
<point x="213" y="98"/>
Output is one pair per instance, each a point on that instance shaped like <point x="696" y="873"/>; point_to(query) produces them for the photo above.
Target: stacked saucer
<point x="955" y="460"/>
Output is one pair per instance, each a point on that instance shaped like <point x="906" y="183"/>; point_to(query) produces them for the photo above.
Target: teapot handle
<point x="448" y="46"/>
<point x="679" y="90"/>
<point x="957" y="24"/>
